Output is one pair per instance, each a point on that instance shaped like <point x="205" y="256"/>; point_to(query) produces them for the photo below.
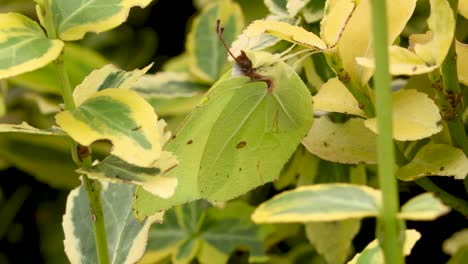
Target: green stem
<point x="391" y="244"/>
<point x="452" y="93"/>
<point x="455" y="203"/>
<point x="334" y="61"/>
<point x="81" y="155"/>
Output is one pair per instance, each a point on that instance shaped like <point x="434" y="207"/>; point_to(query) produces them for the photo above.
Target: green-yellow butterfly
<point x="241" y="134"/>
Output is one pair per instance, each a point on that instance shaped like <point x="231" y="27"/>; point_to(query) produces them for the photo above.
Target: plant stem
<point x="334" y="61"/>
<point x="391" y="245"/>
<point x="81" y="155"/>
<point x="456" y="203"/>
<point x="453" y="94"/>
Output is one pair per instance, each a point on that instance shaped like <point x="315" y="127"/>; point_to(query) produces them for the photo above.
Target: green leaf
<point x="373" y="254"/>
<point x="435" y="159"/>
<point x="356" y="39"/>
<point x="125" y="235"/>
<point x="207" y="54"/>
<point x="27" y="129"/>
<point x="123" y="118"/>
<point x="224" y="147"/>
<point x="321" y="202"/>
<point x="349" y="142"/>
<point x="26" y="151"/>
<point x="73" y="19"/>
<point x="23" y="45"/>
<point x="79" y="61"/>
<point x="424" y="207"/>
<point x="106" y="77"/>
<point x="115" y="170"/>
<point x="415" y="116"/>
<point x="209" y="234"/>
<point x="333" y="240"/>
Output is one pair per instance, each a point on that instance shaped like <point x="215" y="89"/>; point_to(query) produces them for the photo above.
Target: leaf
<point x="373" y="254"/>
<point x="207" y="54"/>
<point x="170" y="93"/>
<point x="246" y="41"/>
<point x="209" y="234"/>
<point x="126" y="236"/>
<point x="115" y="170"/>
<point x="313" y="11"/>
<point x="320" y="202"/>
<point x="23" y="45"/>
<point x="277" y="7"/>
<point x="27" y="129"/>
<point x="339" y="238"/>
<point x="25" y="151"/>
<point x="462" y="57"/>
<point x="349" y="142"/>
<point x="106" y="77"/>
<point x="463" y="8"/>
<point x="434" y="50"/>
<point x="356" y="39"/>
<point x="435" y="159"/>
<point x="456" y="242"/>
<point x="224" y="147"/>
<point x="73" y="19"/>
<point x="168" y="85"/>
<point x="415" y="116"/>
<point x="333" y="96"/>
<point x="427" y="51"/>
<point x="285" y="31"/>
<point x="295" y="6"/>
<point x="79" y="62"/>
<point x="424" y="207"/>
<point x="336" y="15"/>
<point x="123" y="118"/>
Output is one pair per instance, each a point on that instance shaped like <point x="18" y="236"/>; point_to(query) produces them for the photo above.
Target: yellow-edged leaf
<point x="28" y="129"/>
<point x="23" y="45"/>
<point x="320" y="202"/>
<point x="456" y="242"/>
<point x="206" y="52"/>
<point x="373" y="254"/>
<point x="108" y="76"/>
<point x="73" y="19"/>
<point x="415" y="116"/>
<point x="122" y="117"/>
<point x="424" y="207"/>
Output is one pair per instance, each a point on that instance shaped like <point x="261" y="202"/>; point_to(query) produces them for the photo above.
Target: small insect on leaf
<point x="243" y="63"/>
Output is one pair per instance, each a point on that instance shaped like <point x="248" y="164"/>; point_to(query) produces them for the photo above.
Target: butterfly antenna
<point x="220" y="31"/>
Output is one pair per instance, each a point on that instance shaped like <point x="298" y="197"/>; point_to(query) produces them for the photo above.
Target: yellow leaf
<point x="337" y="15"/>
<point x="415" y="116"/>
<point x="286" y="32"/>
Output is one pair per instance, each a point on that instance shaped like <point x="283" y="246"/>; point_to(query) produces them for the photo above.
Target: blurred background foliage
<point x="37" y="171"/>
